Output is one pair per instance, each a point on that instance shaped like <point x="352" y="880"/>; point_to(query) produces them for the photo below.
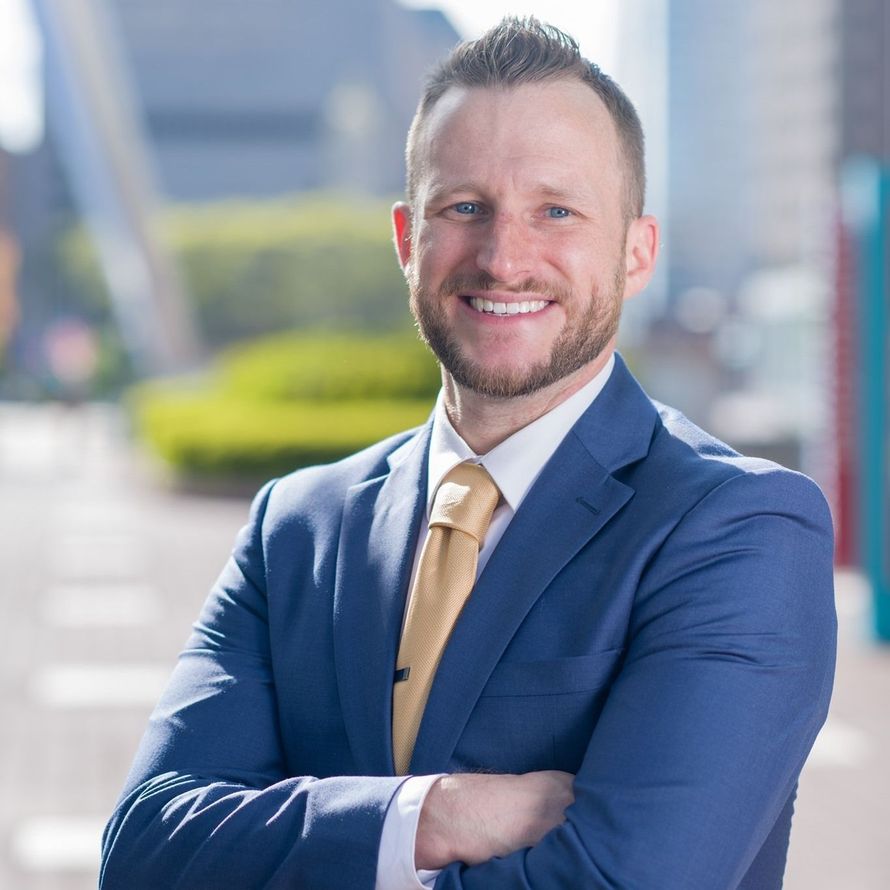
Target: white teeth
<point x="523" y="308"/>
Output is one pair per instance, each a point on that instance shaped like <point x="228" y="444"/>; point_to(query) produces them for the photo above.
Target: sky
<point x="21" y="112"/>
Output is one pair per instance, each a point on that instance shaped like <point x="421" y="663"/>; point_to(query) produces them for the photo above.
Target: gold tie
<point x="446" y="574"/>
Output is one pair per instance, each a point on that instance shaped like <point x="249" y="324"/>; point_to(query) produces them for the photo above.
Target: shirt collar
<point x="516" y="462"/>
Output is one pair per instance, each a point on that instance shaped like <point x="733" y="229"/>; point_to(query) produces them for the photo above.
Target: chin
<point x="500" y="382"/>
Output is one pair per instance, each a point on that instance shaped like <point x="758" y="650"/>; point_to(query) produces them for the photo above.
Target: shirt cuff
<point x="395" y="861"/>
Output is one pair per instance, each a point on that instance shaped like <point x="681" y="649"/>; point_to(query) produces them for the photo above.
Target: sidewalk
<point x="103" y="575"/>
<point x="841" y="834"/>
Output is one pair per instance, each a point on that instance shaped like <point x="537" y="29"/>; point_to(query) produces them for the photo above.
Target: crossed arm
<point x="697" y="750"/>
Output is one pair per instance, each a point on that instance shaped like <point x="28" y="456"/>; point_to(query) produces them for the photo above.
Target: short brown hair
<point x="523" y="50"/>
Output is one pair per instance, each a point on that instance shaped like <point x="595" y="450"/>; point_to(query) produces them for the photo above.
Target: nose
<point x="505" y="250"/>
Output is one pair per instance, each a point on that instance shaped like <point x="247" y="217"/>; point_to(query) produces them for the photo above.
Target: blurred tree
<point x="254" y="268"/>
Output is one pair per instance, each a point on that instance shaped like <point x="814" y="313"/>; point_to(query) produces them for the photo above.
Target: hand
<point x="471" y="818"/>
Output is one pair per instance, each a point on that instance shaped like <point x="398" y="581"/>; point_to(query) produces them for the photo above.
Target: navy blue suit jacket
<point x="658" y="619"/>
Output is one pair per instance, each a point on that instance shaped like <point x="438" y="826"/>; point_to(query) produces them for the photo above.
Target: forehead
<point x="559" y="132"/>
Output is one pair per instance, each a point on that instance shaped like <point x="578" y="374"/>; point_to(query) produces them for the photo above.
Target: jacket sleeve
<point x="725" y="685"/>
<point x="209" y="802"/>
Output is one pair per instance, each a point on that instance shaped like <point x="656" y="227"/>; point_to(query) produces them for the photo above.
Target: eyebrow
<point x="440" y="192"/>
<point x="558" y="194"/>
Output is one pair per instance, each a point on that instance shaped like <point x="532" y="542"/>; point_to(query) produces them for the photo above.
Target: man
<point x="627" y="694"/>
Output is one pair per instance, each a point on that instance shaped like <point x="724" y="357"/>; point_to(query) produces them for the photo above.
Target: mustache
<point x="461" y="282"/>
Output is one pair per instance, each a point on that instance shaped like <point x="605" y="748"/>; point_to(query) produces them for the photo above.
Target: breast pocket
<point x="535" y="715"/>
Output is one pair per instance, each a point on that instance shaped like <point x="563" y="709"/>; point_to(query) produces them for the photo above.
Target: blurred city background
<point x="198" y="291"/>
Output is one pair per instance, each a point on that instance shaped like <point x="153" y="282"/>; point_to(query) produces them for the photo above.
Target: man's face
<point x="515" y="249"/>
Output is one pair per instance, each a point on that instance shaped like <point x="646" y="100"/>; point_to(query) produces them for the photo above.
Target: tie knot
<point x="465" y="500"/>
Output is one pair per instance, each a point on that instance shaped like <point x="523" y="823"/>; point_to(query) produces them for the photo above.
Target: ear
<point x="401" y="226"/>
<point x="640" y="253"/>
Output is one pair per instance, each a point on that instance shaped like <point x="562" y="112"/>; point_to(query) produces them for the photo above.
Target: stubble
<point x="583" y="338"/>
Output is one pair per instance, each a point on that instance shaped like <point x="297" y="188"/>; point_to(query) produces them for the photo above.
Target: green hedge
<point x="330" y="367"/>
<point x="203" y="435"/>
<point x="285" y="402"/>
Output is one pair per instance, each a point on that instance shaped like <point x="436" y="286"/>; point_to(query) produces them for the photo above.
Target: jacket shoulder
<point x="698" y="461"/>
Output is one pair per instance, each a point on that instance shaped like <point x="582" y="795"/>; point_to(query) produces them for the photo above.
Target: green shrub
<point x="284" y="402"/>
<point x="330" y="367"/>
<point x="203" y="434"/>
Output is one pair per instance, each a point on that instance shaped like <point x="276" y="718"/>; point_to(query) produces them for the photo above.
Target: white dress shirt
<point x="514" y="465"/>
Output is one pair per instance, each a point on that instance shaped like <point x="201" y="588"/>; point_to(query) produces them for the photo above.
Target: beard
<point x="581" y="340"/>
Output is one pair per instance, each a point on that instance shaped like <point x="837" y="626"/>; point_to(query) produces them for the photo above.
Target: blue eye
<point x="558" y="212"/>
<point x="466" y="207"/>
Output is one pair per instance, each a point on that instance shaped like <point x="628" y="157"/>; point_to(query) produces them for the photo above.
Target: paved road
<point x="103" y="573"/>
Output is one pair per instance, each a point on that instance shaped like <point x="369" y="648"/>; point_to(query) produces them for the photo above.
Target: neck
<point x="484" y="421"/>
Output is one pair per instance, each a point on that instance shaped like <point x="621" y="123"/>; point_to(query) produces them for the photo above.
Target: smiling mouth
<point x="489" y="307"/>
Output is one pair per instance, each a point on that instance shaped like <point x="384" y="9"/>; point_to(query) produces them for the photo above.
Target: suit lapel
<point x="380" y="523"/>
<point x="573" y="498"/>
